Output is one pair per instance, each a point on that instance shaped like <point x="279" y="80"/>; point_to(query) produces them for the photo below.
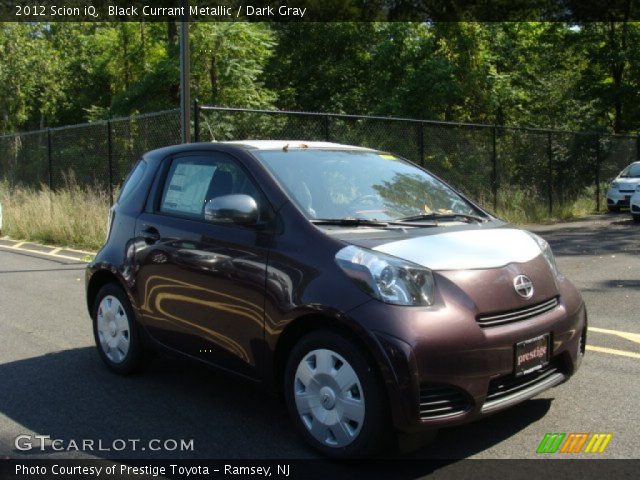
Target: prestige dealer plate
<point x="532" y="354"/>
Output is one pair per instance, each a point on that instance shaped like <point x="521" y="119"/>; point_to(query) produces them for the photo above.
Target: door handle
<point x="150" y="233"/>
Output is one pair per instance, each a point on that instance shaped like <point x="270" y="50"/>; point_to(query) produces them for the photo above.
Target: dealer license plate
<point x="532" y="354"/>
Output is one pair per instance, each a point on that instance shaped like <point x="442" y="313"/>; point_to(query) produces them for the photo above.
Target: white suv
<point x="623" y="188"/>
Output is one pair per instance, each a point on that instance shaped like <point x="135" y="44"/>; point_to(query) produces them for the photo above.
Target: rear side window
<point x="194" y="180"/>
<point x="133" y="180"/>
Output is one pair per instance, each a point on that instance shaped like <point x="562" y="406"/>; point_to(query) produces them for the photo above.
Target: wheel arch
<point x="308" y="323"/>
<point x="99" y="279"/>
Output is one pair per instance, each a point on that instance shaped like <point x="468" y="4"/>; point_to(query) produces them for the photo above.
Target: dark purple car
<point x="369" y="293"/>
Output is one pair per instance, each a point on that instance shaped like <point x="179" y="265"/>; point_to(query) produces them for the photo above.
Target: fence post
<point x="196" y="120"/>
<point x="50" y="162"/>
<point x="110" y="161"/>
<point x="598" y="162"/>
<point x="550" y="172"/>
<point x="494" y="168"/>
<point x="50" y="159"/>
<point x="421" y="142"/>
<point x="638" y="147"/>
<point x="326" y="128"/>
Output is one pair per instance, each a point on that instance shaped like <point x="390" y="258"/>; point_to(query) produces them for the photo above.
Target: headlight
<point x="614" y="185"/>
<point x="546" y="252"/>
<point x="387" y="278"/>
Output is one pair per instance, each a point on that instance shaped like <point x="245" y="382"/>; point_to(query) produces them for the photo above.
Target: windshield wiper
<point x="441" y="216"/>
<point x="349" y="222"/>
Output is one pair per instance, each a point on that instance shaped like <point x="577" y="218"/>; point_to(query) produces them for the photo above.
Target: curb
<point x="63" y="253"/>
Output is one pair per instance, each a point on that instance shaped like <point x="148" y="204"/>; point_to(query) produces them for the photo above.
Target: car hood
<point x="464" y="249"/>
<point x="626" y="183"/>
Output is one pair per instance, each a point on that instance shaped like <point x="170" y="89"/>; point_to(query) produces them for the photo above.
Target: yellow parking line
<point x="18" y="244"/>
<point x="634" y="337"/>
<point x="38" y="252"/>
<point x="613" y="351"/>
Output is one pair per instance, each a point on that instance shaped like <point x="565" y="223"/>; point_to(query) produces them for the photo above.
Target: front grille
<point x="439" y="401"/>
<point x="517" y="315"/>
<point x="510" y="385"/>
<point x="627" y="191"/>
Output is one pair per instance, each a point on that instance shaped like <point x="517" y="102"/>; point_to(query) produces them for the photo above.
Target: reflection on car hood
<point x="466" y="249"/>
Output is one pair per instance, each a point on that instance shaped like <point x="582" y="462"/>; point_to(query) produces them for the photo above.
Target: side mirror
<point x="240" y="209"/>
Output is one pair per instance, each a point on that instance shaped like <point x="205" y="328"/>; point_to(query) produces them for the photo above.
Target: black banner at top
<point x="573" y="11"/>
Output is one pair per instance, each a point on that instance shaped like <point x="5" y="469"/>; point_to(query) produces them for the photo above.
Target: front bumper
<point x="441" y="374"/>
<point x="617" y="198"/>
<point x="634" y="203"/>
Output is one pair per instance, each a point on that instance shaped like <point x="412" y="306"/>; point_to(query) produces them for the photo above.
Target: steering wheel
<point x="366" y="201"/>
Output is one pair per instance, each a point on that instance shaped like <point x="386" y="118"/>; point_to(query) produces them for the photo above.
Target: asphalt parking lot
<point x="53" y="383"/>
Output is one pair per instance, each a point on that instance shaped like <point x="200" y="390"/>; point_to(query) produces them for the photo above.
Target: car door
<point x="200" y="285"/>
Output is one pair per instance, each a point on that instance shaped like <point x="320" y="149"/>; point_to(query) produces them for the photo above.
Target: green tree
<point x="30" y="94"/>
<point x="227" y="63"/>
<point x="610" y="77"/>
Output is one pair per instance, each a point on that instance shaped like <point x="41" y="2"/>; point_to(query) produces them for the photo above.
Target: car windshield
<point x="348" y="184"/>
<point x="631" y="171"/>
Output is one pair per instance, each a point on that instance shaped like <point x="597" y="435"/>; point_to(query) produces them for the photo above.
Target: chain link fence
<point x="97" y="155"/>
<point x="497" y="166"/>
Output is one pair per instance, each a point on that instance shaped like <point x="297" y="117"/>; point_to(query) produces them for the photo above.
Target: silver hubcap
<point x="329" y="398"/>
<point x="113" y="329"/>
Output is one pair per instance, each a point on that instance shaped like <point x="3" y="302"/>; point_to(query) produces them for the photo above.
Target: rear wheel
<point x="115" y="330"/>
<point x="636" y="217"/>
<point x="613" y="208"/>
<point x="335" y="397"/>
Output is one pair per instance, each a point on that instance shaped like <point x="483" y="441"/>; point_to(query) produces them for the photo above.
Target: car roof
<point x="250" y="146"/>
<point x="291" y="144"/>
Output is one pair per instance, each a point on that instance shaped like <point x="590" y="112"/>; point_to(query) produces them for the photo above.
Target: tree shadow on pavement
<point x="611" y="239"/>
<point x="70" y="395"/>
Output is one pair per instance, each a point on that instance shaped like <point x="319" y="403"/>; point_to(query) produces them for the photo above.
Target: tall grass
<point x="520" y="206"/>
<point x="72" y="216"/>
<point x="76" y="216"/>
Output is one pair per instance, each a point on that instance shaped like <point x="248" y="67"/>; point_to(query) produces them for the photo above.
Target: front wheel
<point x="613" y="209"/>
<point x="115" y="330"/>
<point x="335" y="397"/>
<point x="636" y="217"/>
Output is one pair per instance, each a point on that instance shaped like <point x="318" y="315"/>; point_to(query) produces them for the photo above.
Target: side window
<point x="133" y="179"/>
<point x="194" y="180"/>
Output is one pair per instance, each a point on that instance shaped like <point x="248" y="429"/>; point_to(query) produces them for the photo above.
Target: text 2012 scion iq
<point x="372" y="295"/>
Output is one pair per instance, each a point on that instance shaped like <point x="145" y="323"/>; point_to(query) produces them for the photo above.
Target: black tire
<point x="613" y="208"/>
<point x="375" y="432"/>
<point x="636" y="217"/>
<point x="132" y="361"/>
